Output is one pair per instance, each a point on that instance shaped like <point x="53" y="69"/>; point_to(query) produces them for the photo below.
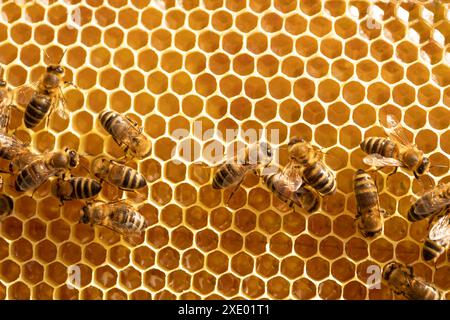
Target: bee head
<point x="72" y="157"/>
<point x="85" y="215"/>
<point x="388" y="269"/>
<point x="423" y="167"/>
<point x="294" y="141"/>
<point x="55" y="69"/>
<point x="3" y="83"/>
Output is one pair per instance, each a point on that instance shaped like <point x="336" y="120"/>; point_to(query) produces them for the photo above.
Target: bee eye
<point x="2" y="83"/>
<point x="59" y="69"/>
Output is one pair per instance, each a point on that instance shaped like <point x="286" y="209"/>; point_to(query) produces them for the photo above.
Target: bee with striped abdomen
<point x="395" y="151"/>
<point x="401" y="280"/>
<point x="303" y="196"/>
<point x="6" y="203"/>
<point x="40" y="170"/>
<point x="126" y="133"/>
<point x="6" y="103"/>
<point x="369" y="213"/>
<point x="431" y="203"/>
<point x="75" y="188"/>
<point x="118" y="174"/>
<point x="117" y="216"/>
<point x="438" y="239"/>
<point x="232" y="173"/>
<point x="306" y="161"/>
<point x="47" y="96"/>
<point x="11" y="148"/>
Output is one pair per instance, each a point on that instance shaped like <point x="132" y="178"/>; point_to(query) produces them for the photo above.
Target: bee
<point x="75" y="188"/>
<point x="126" y="133"/>
<point x="40" y="170"/>
<point x="12" y="148"/>
<point x="117" y="174"/>
<point x="302" y="196"/>
<point x="431" y="203"/>
<point x="395" y="151"/>
<point x="307" y="165"/>
<point x="369" y="213"/>
<point x="232" y="173"/>
<point x="401" y="280"/>
<point x="117" y="216"/>
<point x="6" y="203"/>
<point x="47" y="96"/>
<point x="6" y="103"/>
<point x="438" y="239"/>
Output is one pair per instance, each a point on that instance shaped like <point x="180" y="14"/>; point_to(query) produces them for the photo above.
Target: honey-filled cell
<point x="198" y="79"/>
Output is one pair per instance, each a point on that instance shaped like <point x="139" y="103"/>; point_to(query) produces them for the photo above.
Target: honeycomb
<point x="324" y="70"/>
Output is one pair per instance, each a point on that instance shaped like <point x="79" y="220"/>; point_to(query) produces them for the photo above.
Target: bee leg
<point x="70" y="83"/>
<point x="393" y="172"/>
<point x="232" y="193"/>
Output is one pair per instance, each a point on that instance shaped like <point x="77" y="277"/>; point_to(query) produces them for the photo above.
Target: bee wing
<point x="60" y="105"/>
<point x="21" y="95"/>
<point x="377" y="160"/>
<point x="292" y="176"/>
<point x="24" y="158"/>
<point x="395" y="131"/>
<point x="5" y="113"/>
<point x="441" y="229"/>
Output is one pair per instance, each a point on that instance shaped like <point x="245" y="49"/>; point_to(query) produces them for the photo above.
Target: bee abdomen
<point x="431" y="250"/>
<point x="132" y="180"/>
<point x="85" y="188"/>
<point x="366" y="192"/>
<point x="6" y="205"/>
<point x="320" y="178"/>
<point x="26" y="179"/>
<point x="309" y="201"/>
<point x="381" y="146"/>
<point x="226" y="176"/>
<point x="107" y="119"/>
<point x="36" y="110"/>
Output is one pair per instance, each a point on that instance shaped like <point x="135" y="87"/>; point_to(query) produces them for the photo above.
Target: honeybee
<point x="430" y="203"/>
<point x="47" y="96"/>
<point x="117" y="174"/>
<point x="306" y="165"/>
<point x="395" y="151"/>
<point x="75" y="188"/>
<point x="6" y="103"/>
<point x="38" y="171"/>
<point x="12" y="148"/>
<point x="438" y="239"/>
<point x="369" y="213"/>
<point x="304" y="196"/>
<point x="6" y="203"/>
<point x="126" y="133"/>
<point x="402" y="281"/>
<point x="117" y="216"/>
<point x="231" y="173"/>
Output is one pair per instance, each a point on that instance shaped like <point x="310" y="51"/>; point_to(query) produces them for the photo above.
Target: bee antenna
<point x="46" y="53"/>
<point x="64" y="53"/>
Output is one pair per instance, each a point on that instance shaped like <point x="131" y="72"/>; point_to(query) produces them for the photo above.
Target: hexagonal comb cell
<point x="317" y="70"/>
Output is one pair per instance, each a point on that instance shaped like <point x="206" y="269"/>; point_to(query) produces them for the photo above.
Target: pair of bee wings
<point x="5" y="114"/>
<point x="293" y="176"/>
<point x="396" y="132"/>
<point x="42" y="171"/>
<point x="434" y="206"/>
<point x="441" y="229"/>
<point x="24" y="93"/>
